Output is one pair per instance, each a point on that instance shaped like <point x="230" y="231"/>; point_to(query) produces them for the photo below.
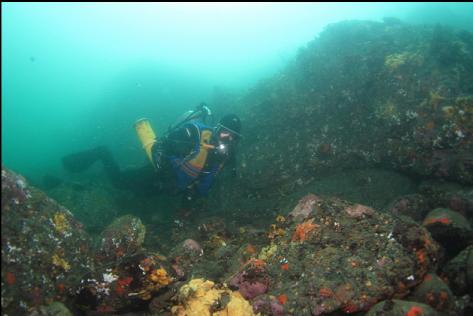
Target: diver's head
<point x="229" y="127"/>
<point x="228" y="133"/>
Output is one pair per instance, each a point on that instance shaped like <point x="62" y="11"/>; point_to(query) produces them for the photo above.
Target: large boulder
<point x="336" y="256"/>
<point x="361" y="94"/>
<point x="45" y="250"/>
<point x="451" y="229"/>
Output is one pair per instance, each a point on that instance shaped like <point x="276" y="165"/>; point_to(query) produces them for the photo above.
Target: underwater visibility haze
<point x="237" y="158"/>
<point x="78" y="74"/>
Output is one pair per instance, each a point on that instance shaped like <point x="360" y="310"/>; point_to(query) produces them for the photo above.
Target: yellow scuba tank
<point x="146" y="135"/>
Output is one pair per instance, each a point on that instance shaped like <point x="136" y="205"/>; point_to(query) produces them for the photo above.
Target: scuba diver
<point x="186" y="159"/>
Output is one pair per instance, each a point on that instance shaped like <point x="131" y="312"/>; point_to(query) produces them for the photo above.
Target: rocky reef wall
<point x="362" y="94"/>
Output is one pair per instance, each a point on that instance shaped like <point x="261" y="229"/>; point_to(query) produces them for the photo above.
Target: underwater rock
<point x="451" y="196"/>
<point x="379" y="255"/>
<point x="94" y="202"/>
<point x="359" y="211"/>
<point x="201" y="297"/>
<point x="434" y="292"/>
<point x="459" y="272"/>
<point x="185" y="256"/>
<point x="398" y="307"/>
<point x="462" y="203"/>
<point x="123" y="237"/>
<point x="127" y="286"/>
<point x="192" y="246"/>
<point x="385" y="99"/>
<point x="162" y="303"/>
<point x="451" y="229"/>
<point x="253" y="280"/>
<point x="304" y="208"/>
<point x="416" y="206"/>
<point x="268" y="305"/>
<point x="209" y="254"/>
<point x="45" y="250"/>
<point x="53" y="309"/>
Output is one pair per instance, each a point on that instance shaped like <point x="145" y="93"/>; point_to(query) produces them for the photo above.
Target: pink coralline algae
<point x="359" y="211"/>
<point x="250" y="288"/>
<point x="268" y="307"/>
<point x="192" y="246"/>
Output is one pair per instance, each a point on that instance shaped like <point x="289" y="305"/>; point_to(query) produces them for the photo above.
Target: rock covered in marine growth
<point x="201" y="297"/>
<point x="416" y="206"/>
<point x="44" y="249"/>
<point x="207" y="253"/>
<point x="123" y="237"/>
<point x="459" y="272"/>
<point x="268" y="305"/>
<point x="434" y="292"/>
<point x="393" y="95"/>
<point x="399" y="307"/>
<point x="185" y="256"/>
<point x="448" y="195"/>
<point x="253" y="280"/>
<point x="94" y="202"/>
<point x="304" y="208"/>
<point x="451" y="229"/>
<point x="341" y="257"/>
<point x="55" y="308"/>
<point x="128" y="286"/>
<point x="461" y="202"/>
<point x="192" y="246"/>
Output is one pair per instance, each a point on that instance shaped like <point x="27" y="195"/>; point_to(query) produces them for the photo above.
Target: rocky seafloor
<point x="322" y="256"/>
<point x="353" y="196"/>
